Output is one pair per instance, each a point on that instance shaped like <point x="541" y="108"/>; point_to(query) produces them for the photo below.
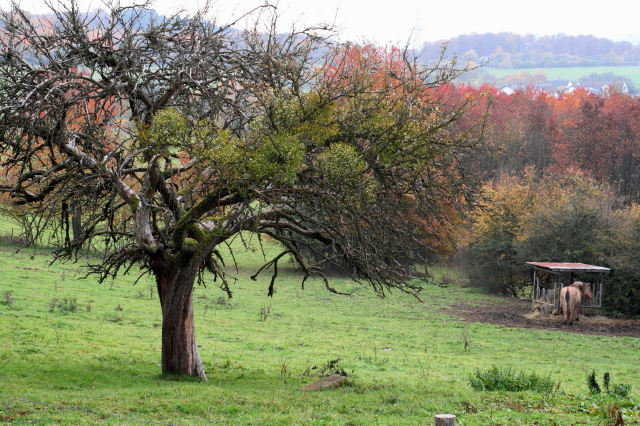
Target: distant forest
<point x="508" y="50"/>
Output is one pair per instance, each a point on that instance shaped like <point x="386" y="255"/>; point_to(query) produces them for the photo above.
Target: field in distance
<point x="570" y="73"/>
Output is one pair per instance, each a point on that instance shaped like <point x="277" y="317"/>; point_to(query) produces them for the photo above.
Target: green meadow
<point x="74" y="352"/>
<point x="571" y="73"/>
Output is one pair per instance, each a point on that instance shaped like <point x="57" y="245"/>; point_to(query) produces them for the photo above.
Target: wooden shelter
<point x="550" y="277"/>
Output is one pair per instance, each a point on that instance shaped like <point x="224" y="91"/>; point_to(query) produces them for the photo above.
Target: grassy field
<point x="571" y="73"/>
<point x="76" y="352"/>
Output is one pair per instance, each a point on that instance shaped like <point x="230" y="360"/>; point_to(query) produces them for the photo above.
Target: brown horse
<point x="570" y="298"/>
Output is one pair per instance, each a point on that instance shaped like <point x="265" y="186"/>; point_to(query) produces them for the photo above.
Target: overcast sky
<point x="397" y="21"/>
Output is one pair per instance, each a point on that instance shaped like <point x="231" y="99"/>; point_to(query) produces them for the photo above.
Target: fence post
<point x="445" y="420"/>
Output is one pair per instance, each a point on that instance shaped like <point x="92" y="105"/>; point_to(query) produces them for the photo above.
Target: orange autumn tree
<point x="597" y="134"/>
<point x="601" y="135"/>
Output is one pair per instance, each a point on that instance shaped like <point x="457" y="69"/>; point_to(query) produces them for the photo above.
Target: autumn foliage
<point x="562" y="183"/>
<point x="581" y="131"/>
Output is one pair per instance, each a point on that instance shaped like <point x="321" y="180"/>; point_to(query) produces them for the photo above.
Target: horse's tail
<point x="567" y="299"/>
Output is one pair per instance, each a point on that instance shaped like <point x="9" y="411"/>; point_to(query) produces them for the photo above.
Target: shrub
<point x="65" y="306"/>
<point x="498" y="379"/>
<point x="619" y="389"/>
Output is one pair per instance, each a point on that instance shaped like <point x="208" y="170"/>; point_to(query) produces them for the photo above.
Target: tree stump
<point x="445" y="420"/>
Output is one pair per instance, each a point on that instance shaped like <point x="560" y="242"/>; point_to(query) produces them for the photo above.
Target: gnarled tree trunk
<point x="175" y="282"/>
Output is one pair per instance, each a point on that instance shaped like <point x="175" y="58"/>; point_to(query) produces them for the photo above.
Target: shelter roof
<point x="568" y="267"/>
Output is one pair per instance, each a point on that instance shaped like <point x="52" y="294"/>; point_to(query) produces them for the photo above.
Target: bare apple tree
<point x="158" y="139"/>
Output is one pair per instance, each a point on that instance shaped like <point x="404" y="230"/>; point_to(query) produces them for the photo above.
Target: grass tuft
<point x="505" y="379"/>
<point x="64" y="306"/>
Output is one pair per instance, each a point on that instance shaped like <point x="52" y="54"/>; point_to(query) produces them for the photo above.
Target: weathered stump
<point x="445" y="420"/>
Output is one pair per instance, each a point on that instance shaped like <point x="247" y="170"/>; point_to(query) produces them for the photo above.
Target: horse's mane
<point x="578" y="284"/>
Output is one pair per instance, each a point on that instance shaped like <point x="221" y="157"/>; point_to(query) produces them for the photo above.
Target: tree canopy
<point x="160" y="139"/>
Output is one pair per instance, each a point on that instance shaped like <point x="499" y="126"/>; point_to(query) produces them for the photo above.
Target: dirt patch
<point x="511" y="312"/>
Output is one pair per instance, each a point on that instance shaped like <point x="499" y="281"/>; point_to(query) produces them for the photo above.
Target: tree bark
<point x="76" y="224"/>
<point x="175" y="288"/>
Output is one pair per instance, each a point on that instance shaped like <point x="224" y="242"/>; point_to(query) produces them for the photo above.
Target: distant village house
<point x="559" y="87"/>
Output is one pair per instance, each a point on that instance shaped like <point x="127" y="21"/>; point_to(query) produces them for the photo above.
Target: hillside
<point x="507" y="50"/>
<point x="77" y="352"/>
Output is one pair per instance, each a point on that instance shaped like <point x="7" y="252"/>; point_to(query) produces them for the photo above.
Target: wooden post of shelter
<point x="445" y="420"/>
